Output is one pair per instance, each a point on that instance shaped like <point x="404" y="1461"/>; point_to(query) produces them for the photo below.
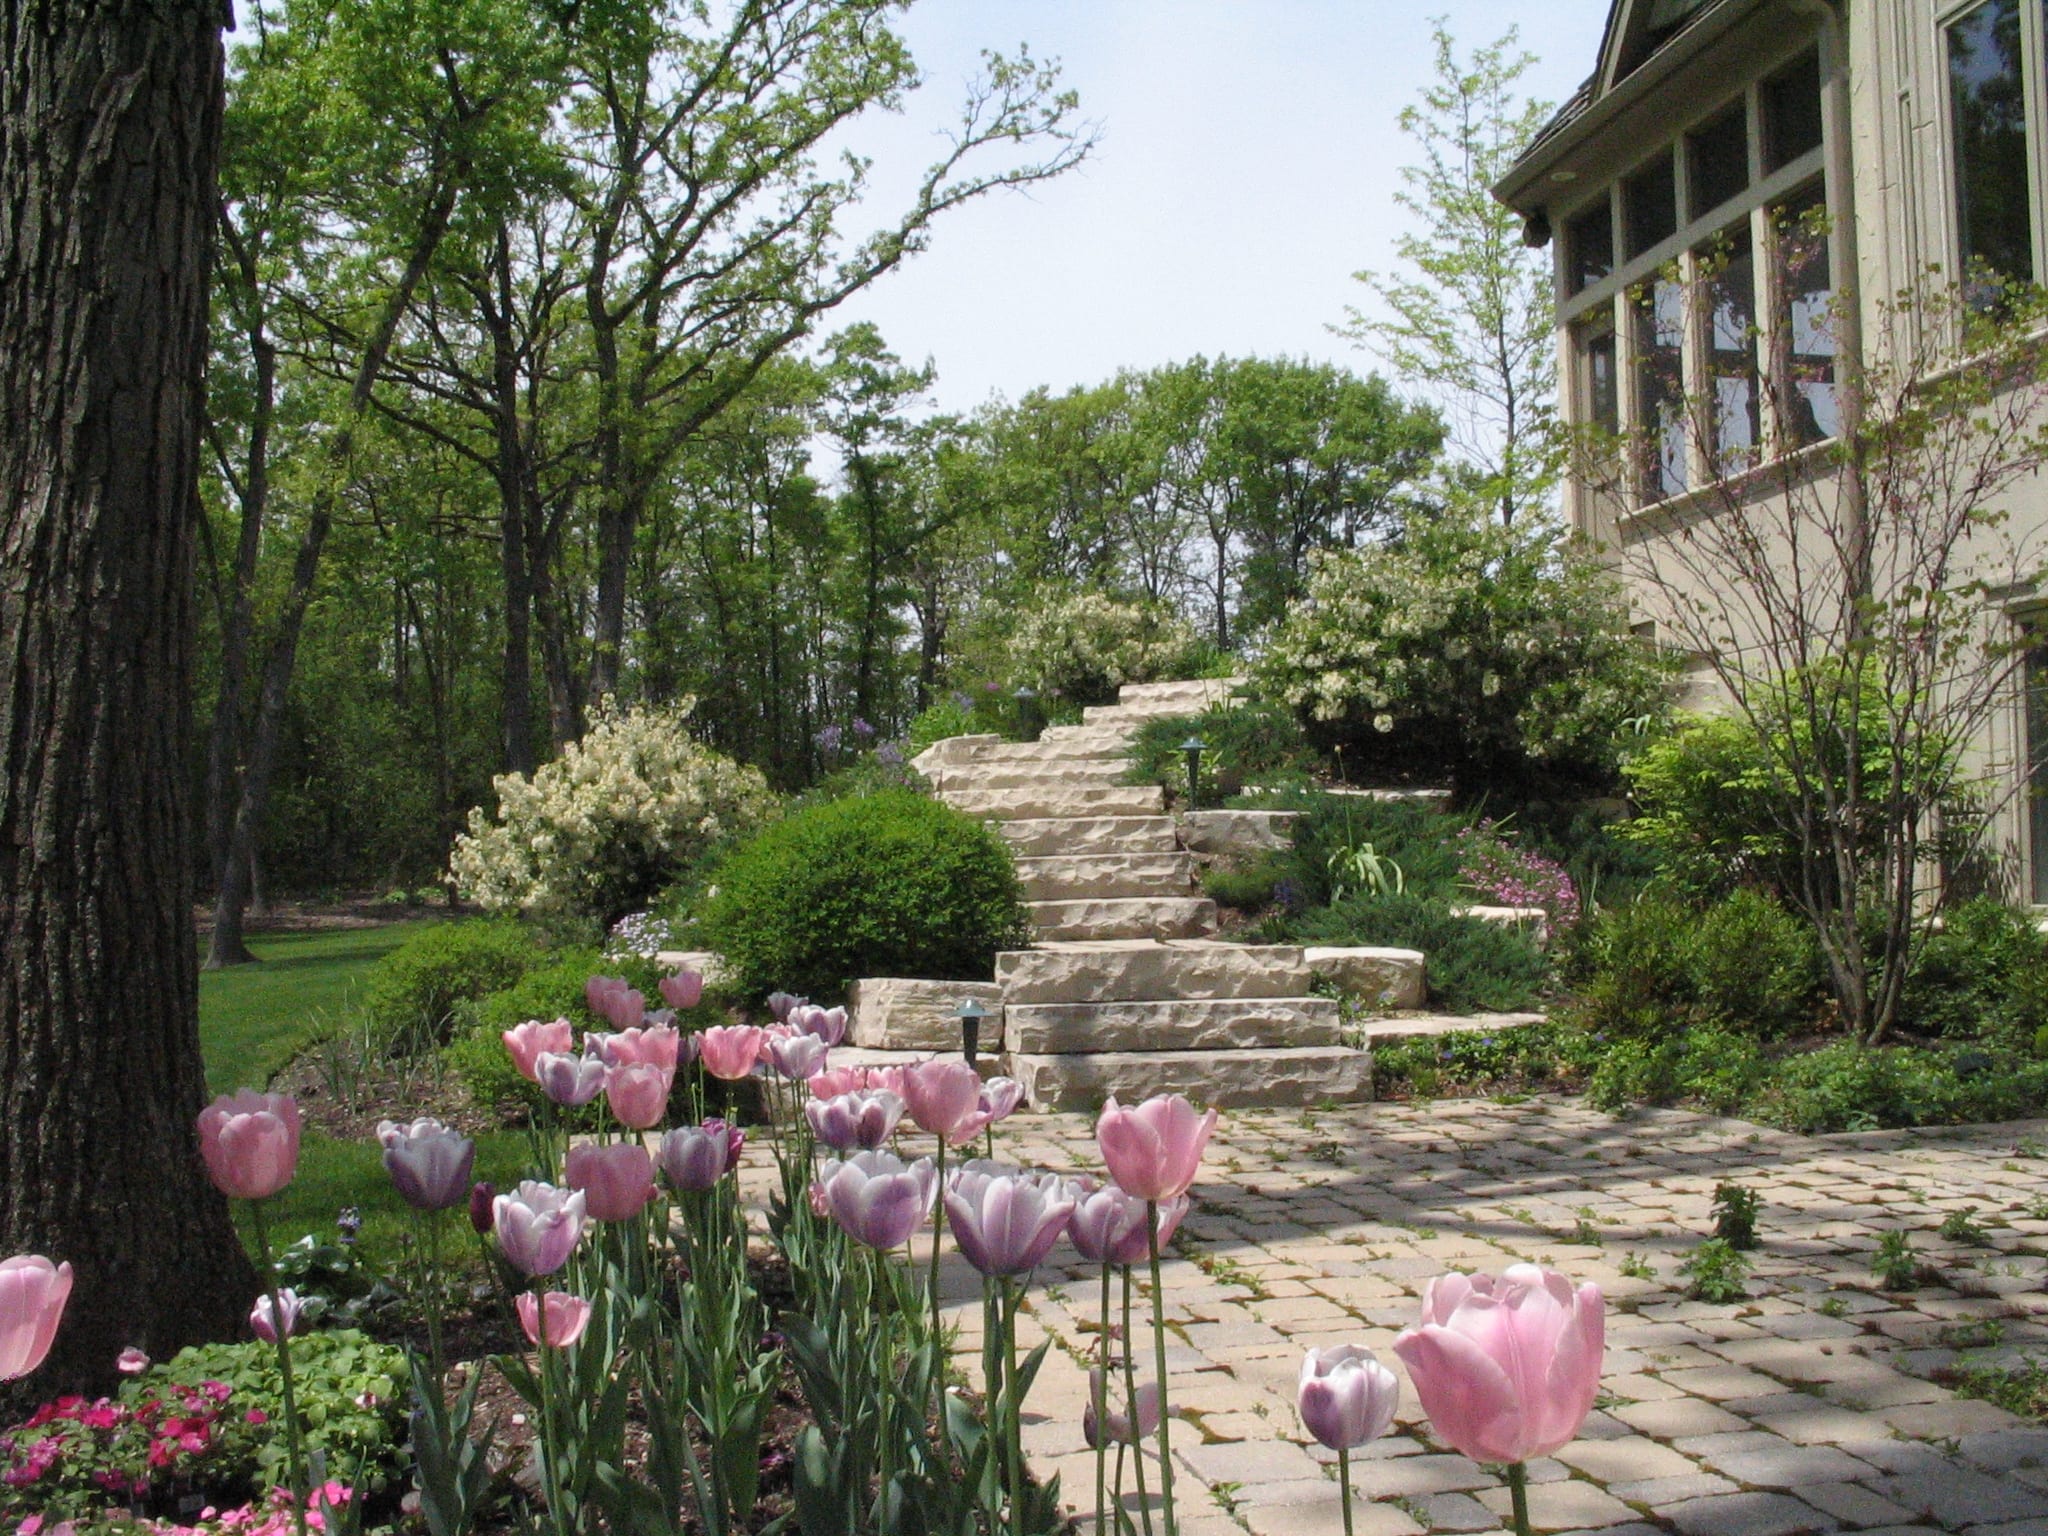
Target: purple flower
<point x="780" y="1004"/>
<point x="538" y="1226"/>
<point x="828" y="1024"/>
<point x="1004" y="1220"/>
<point x="571" y="1081"/>
<point x="429" y="1164"/>
<point x="850" y="1120"/>
<point x="695" y="1157"/>
<point x="877" y="1197"/>
<point x="799" y="1057"/>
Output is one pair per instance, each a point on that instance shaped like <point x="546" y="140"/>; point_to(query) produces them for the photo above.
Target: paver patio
<point x="1808" y="1407"/>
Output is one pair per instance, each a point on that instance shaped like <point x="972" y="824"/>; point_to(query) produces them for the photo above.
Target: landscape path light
<point x="970" y="1014"/>
<point x="1192" y="749"/>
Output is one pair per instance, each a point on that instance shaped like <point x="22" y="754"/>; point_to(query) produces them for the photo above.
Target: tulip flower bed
<point x="658" y="1354"/>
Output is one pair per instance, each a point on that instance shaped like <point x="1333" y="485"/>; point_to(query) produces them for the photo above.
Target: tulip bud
<point x="266" y="1324"/>
<point x="481" y="1216"/>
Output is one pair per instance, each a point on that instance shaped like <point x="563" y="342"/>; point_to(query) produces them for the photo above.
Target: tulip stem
<point x="938" y="1231"/>
<point x="1102" y="1404"/>
<point x="1518" y="1490"/>
<point x="1159" y="1361"/>
<point x="1013" y="1436"/>
<point x="429" y="1232"/>
<point x="1344" y="1482"/>
<point x="1136" y="1419"/>
<point x="551" y="1488"/>
<point x="279" y="1326"/>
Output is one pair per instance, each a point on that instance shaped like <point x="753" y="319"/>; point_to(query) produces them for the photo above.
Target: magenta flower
<point x="1155" y="1150"/>
<point x="729" y="1051"/>
<point x="32" y="1296"/>
<point x="1506" y="1367"/>
<point x="131" y="1361"/>
<point x="571" y="1081"/>
<point x="617" y="1181"/>
<point x="429" y="1164"/>
<point x="250" y="1141"/>
<point x="538" y="1226"/>
<point x="567" y="1316"/>
<point x="695" y="1157"/>
<point x="1346" y="1396"/>
<point x="683" y="990"/>
<point x="877" y="1197"/>
<point x="483" y="1196"/>
<point x="265" y="1323"/>
<point x="854" y="1120"/>
<point x="1004" y="1220"/>
<point x="638" y="1094"/>
<point x="942" y="1095"/>
<point x="528" y="1042"/>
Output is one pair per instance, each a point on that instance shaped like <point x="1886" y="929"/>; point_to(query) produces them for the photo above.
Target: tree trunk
<point x="110" y="119"/>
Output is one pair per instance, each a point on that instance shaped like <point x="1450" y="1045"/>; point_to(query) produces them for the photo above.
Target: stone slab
<point x="1389" y="1030"/>
<point x="707" y="963"/>
<point x="1060" y="774"/>
<point x="1054" y="800"/>
<point x="1193" y="693"/>
<point x="1108" y="874"/>
<point x="1213" y="1024"/>
<point x="1237" y="834"/>
<point x="1125" y="917"/>
<point x="894" y="1013"/>
<point x="1039" y="837"/>
<point x="1139" y="971"/>
<point x="1379" y="978"/>
<point x="1225" y="1079"/>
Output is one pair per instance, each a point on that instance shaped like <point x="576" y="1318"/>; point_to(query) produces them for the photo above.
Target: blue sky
<point x="1249" y="157"/>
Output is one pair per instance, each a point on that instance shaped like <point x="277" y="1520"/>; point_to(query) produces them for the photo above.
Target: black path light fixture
<point x="970" y="1014"/>
<point x="1027" y="712"/>
<point x="1192" y="749"/>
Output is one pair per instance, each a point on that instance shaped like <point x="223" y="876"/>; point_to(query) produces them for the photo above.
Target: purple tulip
<point x="1346" y="1397"/>
<point x="1120" y="1430"/>
<point x="265" y="1325"/>
<point x="571" y="1081"/>
<point x="695" y="1157"/>
<point x="798" y="1057"/>
<point x="997" y="1100"/>
<point x="877" y="1197"/>
<point x="828" y="1024"/>
<point x="1005" y="1221"/>
<point x="538" y="1226"/>
<point x="429" y="1164"/>
<point x="851" y="1120"/>
<point x="483" y="1196"/>
<point x="780" y="1004"/>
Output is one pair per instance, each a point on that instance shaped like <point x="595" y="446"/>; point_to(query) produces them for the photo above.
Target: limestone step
<point x="1107" y="874"/>
<point x="894" y="1013"/>
<point x="1057" y="801"/>
<point x="1094" y="738"/>
<point x="1215" y="1024"/>
<point x="1067" y="773"/>
<point x="1084" y="836"/>
<point x="1140" y="970"/>
<point x="1083" y="750"/>
<point x="1377" y="977"/>
<point x="1386" y="1031"/>
<point x="1124" y="917"/>
<point x="1224" y="1079"/>
<point x="1188" y="695"/>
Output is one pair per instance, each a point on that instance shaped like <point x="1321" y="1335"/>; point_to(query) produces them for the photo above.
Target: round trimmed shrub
<point x="414" y="991"/>
<point x="888" y="884"/>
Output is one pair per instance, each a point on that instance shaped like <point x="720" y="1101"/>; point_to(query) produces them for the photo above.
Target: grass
<point x="253" y="1019"/>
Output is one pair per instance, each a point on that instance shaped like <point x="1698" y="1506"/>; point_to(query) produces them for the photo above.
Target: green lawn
<point x="254" y="1018"/>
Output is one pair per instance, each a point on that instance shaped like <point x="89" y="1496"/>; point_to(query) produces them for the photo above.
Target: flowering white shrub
<point x="601" y="829"/>
<point x="1084" y="645"/>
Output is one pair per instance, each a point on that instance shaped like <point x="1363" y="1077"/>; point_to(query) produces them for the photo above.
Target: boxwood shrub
<point x="414" y="992"/>
<point x="887" y="884"/>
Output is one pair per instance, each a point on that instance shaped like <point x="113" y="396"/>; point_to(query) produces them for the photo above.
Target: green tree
<point x="1469" y="319"/>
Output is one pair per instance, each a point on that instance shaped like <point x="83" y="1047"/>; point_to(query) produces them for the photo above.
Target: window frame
<point x="2034" y="95"/>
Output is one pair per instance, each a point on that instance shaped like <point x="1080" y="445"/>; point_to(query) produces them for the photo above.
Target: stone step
<point x="1378" y="978"/>
<point x="1085" y="836"/>
<point x="1187" y="695"/>
<point x="894" y="1013"/>
<point x="1068" y="773"/>
<point x="1238" y="834"/>
<point x="1056" y="801"/>
<point x="1386" y="1031"/>
<point x="1224" y="1079"/>
<point x="1107" y="874"/>
<point x="956" y="754"/>
<point x="1215" y="1024"/>
<point x="1139" y="970"/>
<point x="1112" y="737"/>
<point x="1124" y="917"/>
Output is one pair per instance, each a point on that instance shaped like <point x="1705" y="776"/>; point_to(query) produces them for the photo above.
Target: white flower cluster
<point x="1086" y="644"/>
<point x="606" y="823"/>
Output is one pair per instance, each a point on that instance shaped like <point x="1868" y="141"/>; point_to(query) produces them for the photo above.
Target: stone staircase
<point x="1127" y="991"/>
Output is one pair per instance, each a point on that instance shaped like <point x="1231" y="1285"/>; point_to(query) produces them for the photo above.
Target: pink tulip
<point x="864" y="1120"/>
<point x="942" y="1095"/>
<point x="613" y="999"/>
<point x="638" y="1094"/>
<point x="695" y="1157"/>
<point x="617" y="1181"/>
<point x="250" y="1142"/>
<point x="1120" y="1429"/>
<point x="538" y="1226"/>
<point x="729" y="1051"/>
<point x="32" y="1296"/>
<point x="265" y="1324"/>
<point x="429" y="1164"/>
<point x="683" y="990"/>
<point x="567" y="1317"/>
<point x="528" y="1042"/>
<point x="1346" y="1396"/>
<point x="1155" y="1150"/>
<point x="828" y="1024"/>
<point x="131" y="1361"/>
<point x="877" y="1197"/>
<point x="1507" y="1367"/>
<point x="1005" y="1221"/>
<point x="658" y="1045"/>
<point x="1000" y="1096"/>
<point x="571" y="1081"/>
<point x="799" y="1058"/>
<point x="831" y="1083"/>
<point x="1109" y="1225"/>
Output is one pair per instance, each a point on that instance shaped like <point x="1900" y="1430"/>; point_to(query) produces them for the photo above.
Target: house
<point x="1731" y="200"/>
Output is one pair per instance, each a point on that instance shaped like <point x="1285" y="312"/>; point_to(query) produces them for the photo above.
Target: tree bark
<point x="110" y="118"/>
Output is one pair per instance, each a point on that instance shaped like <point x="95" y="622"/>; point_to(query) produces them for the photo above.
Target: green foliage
<point x="1083" y="644"/>
<point x="1244" y="744"/>
<point x="891" y="884"/>
<point x="1718" y="1272"/>
<point x="1982" y="976"/>
<point x="1735" y="1212"/>
<point x="1526" y="1058"/>
<point x="1490" y="656"/>
<point x="1710" y="811"/>
<point x="1419" y="838"/>
<point x="1962" y="1226"/>
<point x="350" y="1391"/>
<point x="414" y="991"/>
<point x="1245" y="889"/>
<point x="1472" y="966"/>
<point x="2020" y="1386"/>
<point x="1895" y="1264"/>
<point x="1706" y="1062"/>
<point x="1845" y="1086"/>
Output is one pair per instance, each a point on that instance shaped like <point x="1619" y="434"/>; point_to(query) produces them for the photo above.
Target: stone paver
<point x="1818" y="1404"/>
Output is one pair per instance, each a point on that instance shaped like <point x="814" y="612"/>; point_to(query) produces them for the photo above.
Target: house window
<point x="1717" y="159"/>
<point x="1660" y="382"/>
<point x="2037" y="770"/>
<point x="1791" y="112"/>
<point x="1598" y="385"/>
<point x="1589" y="246"/>
<point x="1734" y="396"/>
<point x="1805" y="330"/>
<point x="1649" y="201"/>
<point x="1988" y="125"/>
